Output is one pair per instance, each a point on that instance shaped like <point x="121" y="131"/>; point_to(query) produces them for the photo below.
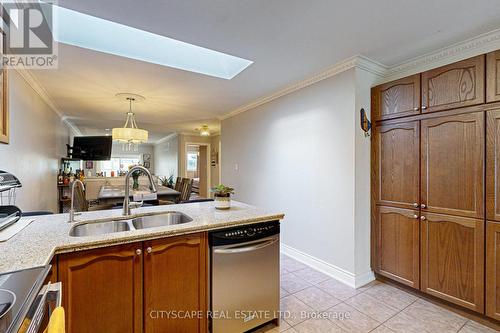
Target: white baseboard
<point x="337" y="273"/>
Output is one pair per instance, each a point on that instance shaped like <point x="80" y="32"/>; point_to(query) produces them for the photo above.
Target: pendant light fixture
<point x="130" y="135"/>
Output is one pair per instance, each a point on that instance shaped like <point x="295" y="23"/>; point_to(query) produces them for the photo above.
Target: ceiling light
<point x="130" y="134"/>
<point x="204" y="130"/>
<point x="90" y="32"/>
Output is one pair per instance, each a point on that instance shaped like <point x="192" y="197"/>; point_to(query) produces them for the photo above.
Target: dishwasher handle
<point x="246" y="247"/>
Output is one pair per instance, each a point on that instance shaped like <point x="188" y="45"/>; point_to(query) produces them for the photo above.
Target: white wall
<point x="297" y="154"/>
<point x="166" y="157"/>
<point x="119" y="151"/>
<point x="37" y="142"/>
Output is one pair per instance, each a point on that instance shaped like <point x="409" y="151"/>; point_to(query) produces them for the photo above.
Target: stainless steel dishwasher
<point x="245" y="283"/>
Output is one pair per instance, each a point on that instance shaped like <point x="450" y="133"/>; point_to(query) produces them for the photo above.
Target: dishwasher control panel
<point x="251" y="232"/>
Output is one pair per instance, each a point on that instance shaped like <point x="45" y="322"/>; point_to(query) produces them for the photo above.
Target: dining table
<point x="113" y="194"/>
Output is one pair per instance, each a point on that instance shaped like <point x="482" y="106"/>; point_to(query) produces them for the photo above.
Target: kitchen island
<point x="119" y="278"/>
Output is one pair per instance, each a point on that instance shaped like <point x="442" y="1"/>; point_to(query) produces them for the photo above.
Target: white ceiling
<point x="288" y="40"/>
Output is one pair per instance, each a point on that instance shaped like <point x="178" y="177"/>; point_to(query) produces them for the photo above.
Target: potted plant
<point x="168" y="182"/>
<point x="222" y="196"/>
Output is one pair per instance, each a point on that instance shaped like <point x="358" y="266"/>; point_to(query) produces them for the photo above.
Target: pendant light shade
<point x="130" y="134"/>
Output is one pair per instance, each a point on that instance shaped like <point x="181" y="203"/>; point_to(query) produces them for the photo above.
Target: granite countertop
<point x="47" y="235"/>
<point x="118" y="191"/>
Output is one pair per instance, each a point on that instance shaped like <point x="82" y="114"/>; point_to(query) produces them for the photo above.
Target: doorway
<point x="198" y="167"/>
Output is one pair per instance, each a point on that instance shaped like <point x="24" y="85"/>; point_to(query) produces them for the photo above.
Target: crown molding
<point x="469" y="48"/>
<point x="33" y="82"/>
<point x="345" y="65"/>
<point x="166" y="138"/>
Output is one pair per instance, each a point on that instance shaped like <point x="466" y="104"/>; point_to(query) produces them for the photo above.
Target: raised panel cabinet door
<point x="175" y="281"/>
<point x="396" y="164"/>
<point x="398" y="244"/>
<point x="493" y="165"/>
<point x="452" y="157"/>
<point x="452" y="266"/>
<point x="398" y="98"/>
<point x="453" y="86"/>
<point x="102" y="289"/>
<point x="493" y="77"/>
<point x="493" y="270"/>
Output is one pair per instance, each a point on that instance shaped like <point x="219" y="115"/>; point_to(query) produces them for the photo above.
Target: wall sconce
<point x="366" y="125"/>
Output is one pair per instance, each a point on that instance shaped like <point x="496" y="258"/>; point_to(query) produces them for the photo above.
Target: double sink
<point x="137" y="223"/>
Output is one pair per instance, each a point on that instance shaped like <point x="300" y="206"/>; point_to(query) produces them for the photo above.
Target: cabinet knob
<point x="415" y="216"/>
<point x="415" y="205"/>
<point x="422" y="218"/>
<point x="138" y="252"/>
<point x="149" y="249"/>
<point x="423" y="206"/>
<point x="424" y="107"/>
<point x="416" y="108"/>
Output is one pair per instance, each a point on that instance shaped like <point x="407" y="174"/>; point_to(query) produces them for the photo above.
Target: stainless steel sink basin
<point x="98" y="228"/>
<point x="154" y="221"/>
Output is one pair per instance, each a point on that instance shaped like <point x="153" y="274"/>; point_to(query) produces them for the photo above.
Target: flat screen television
<point x="92" y="148"/>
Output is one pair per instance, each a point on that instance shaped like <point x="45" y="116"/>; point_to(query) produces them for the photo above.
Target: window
<point x="192" y="161"/>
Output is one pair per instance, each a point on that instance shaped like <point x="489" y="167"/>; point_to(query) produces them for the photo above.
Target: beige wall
<point x="166" y="157"/>
<point x="304" y="154"/>
<point x="215" y="170"/>
<point x="37" y="142"/>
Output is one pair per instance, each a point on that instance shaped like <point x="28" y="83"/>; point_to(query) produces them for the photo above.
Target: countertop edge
<point x="158" y="235"/>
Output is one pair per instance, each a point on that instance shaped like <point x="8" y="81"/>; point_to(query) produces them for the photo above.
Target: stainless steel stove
<point x="24" y="301"/>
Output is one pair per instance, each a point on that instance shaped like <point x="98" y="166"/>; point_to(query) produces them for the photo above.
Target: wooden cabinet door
<point x="398" y="244"/>
<point x="398" y="98"/>
<point x="493" y="270"/>
<point x="102" y="289"/>
<point x="452" y="266"/>
<point x="175" y="280"/>
<point x="493" y="77"/>
<point x="453" y="86"/>
<point x="493" y="165"/>
<point x="396" y="164"/>
<point x="452" y="153"/>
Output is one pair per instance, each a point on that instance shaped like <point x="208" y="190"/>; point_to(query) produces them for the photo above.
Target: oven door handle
<point x="246" y="247"/>
<point x="49" y="292"/>
<point x="54" y="292"/>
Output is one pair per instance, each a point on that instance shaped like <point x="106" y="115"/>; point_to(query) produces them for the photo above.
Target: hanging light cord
<point x="130" y="116"/>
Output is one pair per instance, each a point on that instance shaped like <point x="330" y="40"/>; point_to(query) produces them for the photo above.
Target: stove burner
<point x="7" y="301"/>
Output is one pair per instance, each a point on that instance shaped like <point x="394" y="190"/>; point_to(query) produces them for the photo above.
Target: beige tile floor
<point x="314" y="303"/>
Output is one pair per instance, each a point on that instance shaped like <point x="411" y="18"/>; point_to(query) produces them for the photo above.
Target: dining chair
<point x="178" y="183"/>
<point x="186" y="187"/>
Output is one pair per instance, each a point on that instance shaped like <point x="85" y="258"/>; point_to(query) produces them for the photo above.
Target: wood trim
<point x="478" y="269"/>
<point x="4" y="112"/>
<point x="431" y="115"/>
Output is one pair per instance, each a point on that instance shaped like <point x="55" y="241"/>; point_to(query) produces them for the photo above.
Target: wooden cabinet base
<point x="140" y="287"/>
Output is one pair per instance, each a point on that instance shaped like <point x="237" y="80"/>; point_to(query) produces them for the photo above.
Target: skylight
<point x="90" y="32"/>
